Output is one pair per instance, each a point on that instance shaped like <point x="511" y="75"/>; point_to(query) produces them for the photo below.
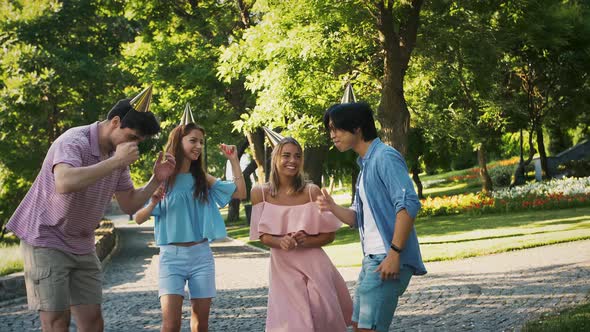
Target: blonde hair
<point x="274" y="181"/>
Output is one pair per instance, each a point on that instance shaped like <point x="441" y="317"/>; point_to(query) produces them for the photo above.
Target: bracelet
<point x="236" y="178"/>
<point x="396" y="248"/>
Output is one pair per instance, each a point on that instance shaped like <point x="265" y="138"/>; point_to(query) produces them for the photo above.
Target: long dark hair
<point x="197" y="169"/>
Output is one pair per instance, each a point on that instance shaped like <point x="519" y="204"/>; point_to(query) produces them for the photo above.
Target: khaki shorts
<point x="56" y="279"/>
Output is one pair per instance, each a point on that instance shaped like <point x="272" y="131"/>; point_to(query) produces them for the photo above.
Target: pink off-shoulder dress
<point x="306" y="292"/>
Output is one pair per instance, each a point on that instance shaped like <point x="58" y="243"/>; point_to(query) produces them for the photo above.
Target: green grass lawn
<point x="452" y="188"/>
<point x="569" y="320"/>
<point x="10" y="256"/>
<point x="449" y="188"/>
<point x="441" y="176"/>
<point x="461" y="236"/>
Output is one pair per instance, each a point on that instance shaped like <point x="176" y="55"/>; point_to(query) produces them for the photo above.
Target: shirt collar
<point x="360" y="160"/>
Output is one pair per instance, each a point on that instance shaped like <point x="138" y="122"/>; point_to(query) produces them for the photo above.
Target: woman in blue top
<point x="187" y="217"/>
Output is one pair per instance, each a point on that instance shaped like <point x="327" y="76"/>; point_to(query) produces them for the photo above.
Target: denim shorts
<point x="375" y="300"/>
<point x="192" y="265"/>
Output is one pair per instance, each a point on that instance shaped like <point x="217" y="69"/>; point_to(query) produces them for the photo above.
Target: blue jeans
<point x="375" y="300"/>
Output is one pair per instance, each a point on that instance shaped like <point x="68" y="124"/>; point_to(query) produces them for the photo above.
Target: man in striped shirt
<point x="56" y="220"/>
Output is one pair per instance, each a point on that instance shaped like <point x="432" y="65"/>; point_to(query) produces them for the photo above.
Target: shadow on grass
<point x="453" y="188"/>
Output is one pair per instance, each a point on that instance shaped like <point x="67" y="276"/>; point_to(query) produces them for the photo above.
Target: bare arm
<point x="144" y="213"/>
<point x="231" y="153"/>
<point x="240" y="192"/>
<point x="403" y="227"/>
<point x="132" y="200"/>
<point x="314" y="241"/>
<point x="271" y="241"/>
<point x="72" y="179"/>
<point x="390" y="266"/>
<point x="285" y="242"/>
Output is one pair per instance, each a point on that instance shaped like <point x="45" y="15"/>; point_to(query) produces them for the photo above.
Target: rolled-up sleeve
<point x="394" y="174"/>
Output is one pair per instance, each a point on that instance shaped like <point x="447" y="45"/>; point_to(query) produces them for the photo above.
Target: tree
<point x="546" y="42"/>
<point x="177" y="49"/>
<point x="460" y="59"/>
<point x="295" y="60"/>
<point x="56" y="72"/>
<point x="397" y="24"/>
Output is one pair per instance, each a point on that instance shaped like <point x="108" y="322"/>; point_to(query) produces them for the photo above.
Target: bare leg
<point x="200" y="315"/>
<point x="55" y="321"/>
<point x="88" y="317"/>
<point x="171" y="312"/>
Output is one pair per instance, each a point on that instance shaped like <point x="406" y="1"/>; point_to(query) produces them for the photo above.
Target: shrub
<point x="501" y="175"/>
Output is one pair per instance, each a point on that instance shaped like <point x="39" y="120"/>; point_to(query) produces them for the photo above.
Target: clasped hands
<point x="293" y="240"/>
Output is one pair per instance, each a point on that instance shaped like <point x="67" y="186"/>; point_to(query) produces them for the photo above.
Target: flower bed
<point x="473" y="173"/>
<point x="563" y="193"/>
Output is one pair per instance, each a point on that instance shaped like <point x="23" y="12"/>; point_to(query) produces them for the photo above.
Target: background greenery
<point x="474" y="76"/>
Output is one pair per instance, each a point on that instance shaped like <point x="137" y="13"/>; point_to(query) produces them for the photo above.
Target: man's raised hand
<point x="126" y="153"/>
<point x="325" y="202"/>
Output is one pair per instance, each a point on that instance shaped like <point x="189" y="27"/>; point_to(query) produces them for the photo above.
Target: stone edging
<point x="12" y="286"/>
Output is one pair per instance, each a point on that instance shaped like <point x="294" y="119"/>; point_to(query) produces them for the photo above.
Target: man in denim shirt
<point x="384" y="210"/>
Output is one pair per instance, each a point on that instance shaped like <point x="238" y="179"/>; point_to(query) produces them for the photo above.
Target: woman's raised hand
<point x="229" y="151"/>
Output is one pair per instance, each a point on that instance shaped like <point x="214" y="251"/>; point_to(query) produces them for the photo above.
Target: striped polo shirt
<point x="67" y="221"/>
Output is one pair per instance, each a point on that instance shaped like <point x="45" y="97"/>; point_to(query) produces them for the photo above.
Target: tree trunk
<point x="251" y="168"/>
<point x="542" y="154"/>
<point x="256" y="140"/>
<point x="397" y="48"/>
<point x="486" y="181"/>
<point x="416" y="178"/>
<point x="519" y="177"/>
<point x="233" y="211"/>
<point x="313" y="162"/>
<point x="519" y="173"/>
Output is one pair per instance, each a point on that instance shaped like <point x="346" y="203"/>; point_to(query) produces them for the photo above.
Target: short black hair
<point x="144" y="122"/>
<point x="351" y="116"/>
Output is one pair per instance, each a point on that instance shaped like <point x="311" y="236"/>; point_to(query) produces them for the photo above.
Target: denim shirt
<point x="389" y="190"/>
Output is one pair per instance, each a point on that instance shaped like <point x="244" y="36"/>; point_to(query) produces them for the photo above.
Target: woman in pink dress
<point x="306" y="292"/>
